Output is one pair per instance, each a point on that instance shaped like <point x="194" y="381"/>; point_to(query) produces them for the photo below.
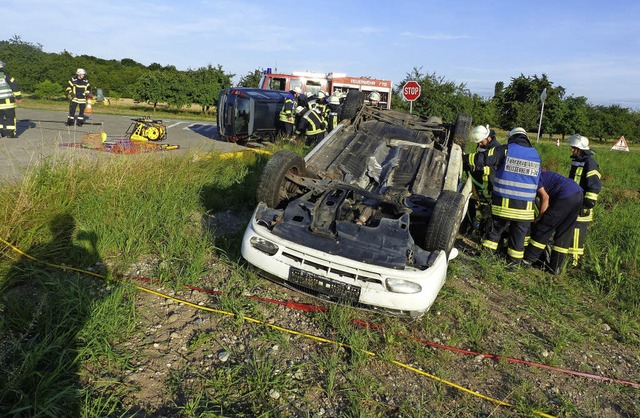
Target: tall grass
<point x="101" y="217"/>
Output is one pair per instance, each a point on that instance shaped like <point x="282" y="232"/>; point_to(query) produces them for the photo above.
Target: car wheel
<point x="461" y="130"/>
<point x="351" y="104"/>
<point x="445" y="222"/>
<point x="274" y="188"/>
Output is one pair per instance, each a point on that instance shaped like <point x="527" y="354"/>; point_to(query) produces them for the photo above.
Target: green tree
<point x="520" y="103"/>
<point x="150" y="88"/>
<point x="251" y="79"/>
<point x="438" y="96"/>
<point x="574" y="117"/>
<point x="206" y="84"/>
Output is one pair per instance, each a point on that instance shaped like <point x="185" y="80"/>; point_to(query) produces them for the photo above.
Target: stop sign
<point x="411" y="90"/>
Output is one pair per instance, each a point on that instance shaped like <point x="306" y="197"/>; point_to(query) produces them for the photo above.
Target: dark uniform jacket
<point x="586" y="172"/>
<point x="78" y="89"/>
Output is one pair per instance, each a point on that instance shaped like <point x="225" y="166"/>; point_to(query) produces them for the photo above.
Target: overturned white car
<point x="370" y="216"/>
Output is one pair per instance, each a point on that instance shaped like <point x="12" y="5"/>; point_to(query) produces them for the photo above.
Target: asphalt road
<point x="41" y="133"/>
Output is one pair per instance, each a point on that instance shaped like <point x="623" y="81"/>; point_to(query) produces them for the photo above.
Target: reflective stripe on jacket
<point x="8" y="88"/>
<point x="517" y="178"/>
<point x="288" y="107"/>
<point x="311" y="123"/>
<point x="586" y="172"/>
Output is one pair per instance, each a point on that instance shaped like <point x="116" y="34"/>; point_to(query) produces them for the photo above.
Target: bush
<point x="48" y="90"/>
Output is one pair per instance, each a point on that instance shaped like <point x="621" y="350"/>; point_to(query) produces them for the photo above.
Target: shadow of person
<point x="24" y="124"/>
<point x="44" y="304"/>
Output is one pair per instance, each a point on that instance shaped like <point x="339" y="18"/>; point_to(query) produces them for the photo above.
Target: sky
<point x="591" y="48"/>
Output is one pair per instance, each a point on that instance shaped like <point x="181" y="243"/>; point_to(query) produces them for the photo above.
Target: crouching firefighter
<point x="517" y="166"/>
<point x="311" y="125"/>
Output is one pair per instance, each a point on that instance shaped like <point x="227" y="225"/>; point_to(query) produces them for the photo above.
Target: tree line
<point x="45" y="75"/>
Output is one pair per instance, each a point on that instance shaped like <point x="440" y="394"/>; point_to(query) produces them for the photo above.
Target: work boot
<point x="13" y="135"/>
<point x="513" y="263"/>
<point x="79" y="123"/>
<point x="69" y="122"/>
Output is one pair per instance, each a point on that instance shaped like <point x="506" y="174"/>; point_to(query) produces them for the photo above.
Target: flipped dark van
<point x="246" y="113"/>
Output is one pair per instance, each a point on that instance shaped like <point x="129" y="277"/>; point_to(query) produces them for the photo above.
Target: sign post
<point x="411" y="91"/>
<point x="543" y="96"/>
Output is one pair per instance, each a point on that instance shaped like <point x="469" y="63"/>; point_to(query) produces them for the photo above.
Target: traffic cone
<point x="89" y="108"/>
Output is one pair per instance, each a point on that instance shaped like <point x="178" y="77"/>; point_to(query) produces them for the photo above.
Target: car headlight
<point x="402" y="286"/>
<point x="263" y="245"/>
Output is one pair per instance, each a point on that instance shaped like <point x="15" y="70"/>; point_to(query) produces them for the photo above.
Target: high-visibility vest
<point x="517" y="178"/>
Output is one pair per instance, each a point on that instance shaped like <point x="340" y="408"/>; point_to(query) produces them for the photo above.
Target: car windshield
<point x="241" y="120"/>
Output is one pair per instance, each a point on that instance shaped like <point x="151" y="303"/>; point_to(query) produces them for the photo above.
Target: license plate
<point x="324" y="286"/>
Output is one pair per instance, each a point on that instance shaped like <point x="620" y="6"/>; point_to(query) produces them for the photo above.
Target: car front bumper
<point x="409" y="291"/>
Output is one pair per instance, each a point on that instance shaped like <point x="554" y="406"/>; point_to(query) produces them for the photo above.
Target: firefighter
<point x="560" y="203"/>
<point x="299" y="97"/>
<point x="586" y="172"/>
<point x="374" y="99"/>
<point x="287" y="116"/>
<point x="311" y="125"/>
<point x="517" y="165"/>
<point x="482" y="180"/>
<point x="321" y="104"/>
<point x="9" y="94"/>
<point x="335" y="109"/>
<point x="78" y="90"/>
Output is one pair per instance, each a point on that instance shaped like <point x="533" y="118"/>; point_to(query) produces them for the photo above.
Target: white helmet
<point x="334" y="100"/>
<point x="515" y="131"/>
<point x="321" y="94"/>
<point x="374" y="96"/>
<point x="579" y="141"/>
<point x="479" y="133"/>
<point x="81" y="71"/>
<point x="297" y="89"/>
<point x="299" y="109"/>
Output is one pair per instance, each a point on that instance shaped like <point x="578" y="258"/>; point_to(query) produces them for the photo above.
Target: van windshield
<point x="241" y="119"/>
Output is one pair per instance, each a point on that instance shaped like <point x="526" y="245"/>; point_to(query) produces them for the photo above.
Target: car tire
<point x="273" y="187"/>
<point x="445" y="222"/>
<point x="351" y="104"/>
<point x="461" y="130"/>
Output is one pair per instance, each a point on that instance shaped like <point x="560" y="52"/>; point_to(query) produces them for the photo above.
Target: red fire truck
<point x="330" y="83"/>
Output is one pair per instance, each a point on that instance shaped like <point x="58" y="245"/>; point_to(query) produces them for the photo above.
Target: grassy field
<point x="81" y="334"/>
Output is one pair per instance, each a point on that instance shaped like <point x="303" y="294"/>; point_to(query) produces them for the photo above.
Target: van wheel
<point x="351" y="104"/>
<point x="274" y="188"/>
<point x="445" y="222"/>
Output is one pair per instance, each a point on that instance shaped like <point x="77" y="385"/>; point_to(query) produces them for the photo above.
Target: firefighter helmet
<point x="81" y="71"/>
<point x="480" y="133"/>
<point x="516" y="131"/>
<point x="579" y="141"/>
<point x="296" y="89"/>
<point x="374" y="96"/>
<point x="321" y="94"/>
<point x="334" y="100"/>
<point x="1" y="64"/>
<point x="299" y="109"/>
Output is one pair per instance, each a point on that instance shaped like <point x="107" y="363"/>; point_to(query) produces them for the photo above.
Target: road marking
<point x="175" y="124"/>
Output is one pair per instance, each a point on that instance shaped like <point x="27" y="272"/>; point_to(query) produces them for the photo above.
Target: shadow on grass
<point x="44" y="309"/>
